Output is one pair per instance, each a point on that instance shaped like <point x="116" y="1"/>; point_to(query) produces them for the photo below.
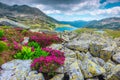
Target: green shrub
<point x="3" y="46"/>
<point x="39" y="52"/>
<point x="27" y="53"/>
<point x="1" y="33"/>
<point x="33" y="44"/>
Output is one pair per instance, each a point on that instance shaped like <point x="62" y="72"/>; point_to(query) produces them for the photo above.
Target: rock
<point x="33" y="75"/>
<point x="68" y="53"/>
<point x="58" y="77"/>
<point x="80" y="56"/>
<point x="67" y="63"/>
<point x="95" y="48"/>
<point x="80" y="45"/>
<point x="93" y="79"/>
<point x="116" y="57"/>
<point x="60" y="70"/>
<point x="115" y="75"/>
<point x="107" y="53"/>
<point x="6" y="75"/>
<point x="26" y="40"/>
<point x="99" y="61"/>
<point x="117" y="41"/>
<point x="56" y="46"/>
<point x="17" y="65"/>
<point x="19" y="70"/>
<point x="75" y="72"/>
<point x="109" y="67"/>
<point x="90" y="69"/>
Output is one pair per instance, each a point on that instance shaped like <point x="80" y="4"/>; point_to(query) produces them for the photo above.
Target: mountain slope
<point x="27" y="15"/>
<point x="107" y="23"/>
<point x="77" y="24"/>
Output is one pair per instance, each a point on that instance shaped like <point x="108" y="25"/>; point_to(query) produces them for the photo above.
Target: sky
<point x="71" y="10"/>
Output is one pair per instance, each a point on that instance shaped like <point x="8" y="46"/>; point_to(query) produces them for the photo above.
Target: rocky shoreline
<point x="88" y="56"/>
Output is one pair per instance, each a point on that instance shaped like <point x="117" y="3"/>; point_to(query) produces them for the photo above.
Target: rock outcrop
<point x="87" y="57"/>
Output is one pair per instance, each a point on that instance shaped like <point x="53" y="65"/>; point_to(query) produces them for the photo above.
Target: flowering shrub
<point x="45" y="39"/>
<point x="6" y="56"/>
<point x="17" y="46"/>
<point x="49" y="63"/>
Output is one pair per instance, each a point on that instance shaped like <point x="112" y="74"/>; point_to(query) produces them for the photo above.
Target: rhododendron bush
<point x="14" y="37"/>
<point x="45" y="39"/>
<point x="49" y="63"/>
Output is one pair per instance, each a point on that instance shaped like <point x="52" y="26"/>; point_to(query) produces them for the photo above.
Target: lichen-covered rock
<point x="75" y="72"/>
<point x="65" y="67"/>
<point x="80" y="55"/>
<point x="109" y="67"/>
<point x="69" y="53"/>
<point x="115" y="75"/>
<point x="58" y="77"/>
<point x="19" y="70"/>
<point x="17" y="65"/>
<point x="95" y="48"/>
<point x="33" y="75"/>
<point x="107" y="53"/>
<point x="91" y="69"/>
<point x="93" y="79"/>
<point x="56" y="46"/>
<point x="116" y="57"/>
<point x="80" y="45"/>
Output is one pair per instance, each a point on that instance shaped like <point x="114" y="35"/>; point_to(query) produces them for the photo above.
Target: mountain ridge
<point x="27" y="15"/>
<point x="106" y="23"/>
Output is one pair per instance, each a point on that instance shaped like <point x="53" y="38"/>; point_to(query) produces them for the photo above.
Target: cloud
<point x="72" y="9"/>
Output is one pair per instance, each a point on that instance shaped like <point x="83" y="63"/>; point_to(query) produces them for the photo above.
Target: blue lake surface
<point x="62" y="29"/>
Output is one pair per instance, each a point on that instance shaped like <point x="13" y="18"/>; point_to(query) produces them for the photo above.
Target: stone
<point x="68" y="53"/>
<point x="95" y="48"/>
<point x="75" y="72"/>
<point x="33" y="75"/>
<point x="26" y="40"/>
<point x="67" y="63"/>
<point x="19" y="70"/>
<point x="56" y="46"/>
<point x="80" y="55"/>
<point x="17" y="64"/>
<point x="107" y="53"/>
<point x="90" y="69"/>
<point x="80" y="45"/>
<point x="58" y="77"/>
<point x="115" y="75"/>
<point x="116" y="57"/>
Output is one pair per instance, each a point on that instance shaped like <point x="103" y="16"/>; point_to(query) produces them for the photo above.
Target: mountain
<point x="27" y="15"/>
<point x="77" y="24"/>
<point x="107" y="23"/>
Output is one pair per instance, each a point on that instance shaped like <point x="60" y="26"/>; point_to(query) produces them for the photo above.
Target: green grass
<point x="83" y="30"/>
<point x="113" y="33"/>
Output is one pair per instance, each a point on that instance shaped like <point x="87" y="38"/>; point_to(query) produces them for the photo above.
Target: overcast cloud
<point x="72" y="9"/>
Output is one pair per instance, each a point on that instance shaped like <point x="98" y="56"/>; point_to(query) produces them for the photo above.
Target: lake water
<point x="62" y="29"/>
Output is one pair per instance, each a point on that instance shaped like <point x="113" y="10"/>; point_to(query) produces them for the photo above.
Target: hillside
<point x="27" y="15"/>
<point x="77" y="24"/>
<point x="107" y="23"/>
